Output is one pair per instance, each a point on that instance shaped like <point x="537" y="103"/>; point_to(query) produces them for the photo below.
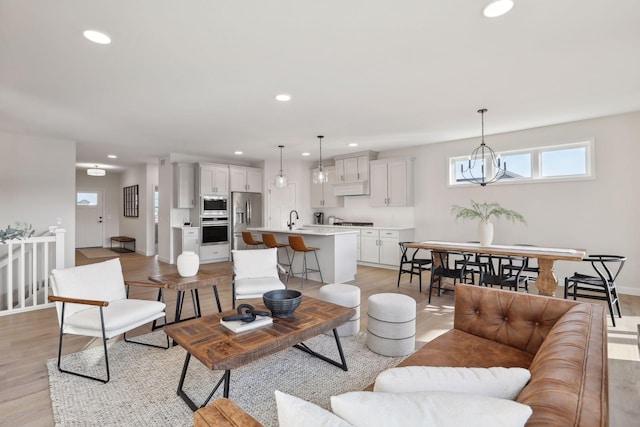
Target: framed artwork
<point x="130" y="200"/>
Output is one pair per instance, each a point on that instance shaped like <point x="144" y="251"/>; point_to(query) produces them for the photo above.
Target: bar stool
<point x="270" y="241"/>
<point x="248" y="239"/>
<point x="297" y="245"/>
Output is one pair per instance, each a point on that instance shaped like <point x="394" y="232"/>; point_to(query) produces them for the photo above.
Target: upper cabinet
<point x="391" y="182"/>
<point x="352" y="173"/>
<point x="245" y="179"/>
<point x="322" y="195"/>
<point x="214" y="179"/>
<point x="184" y="185"/>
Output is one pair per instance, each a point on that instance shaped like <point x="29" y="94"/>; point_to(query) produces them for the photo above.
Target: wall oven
<point x="214" y="230"/>
<point x="213" y="206"/>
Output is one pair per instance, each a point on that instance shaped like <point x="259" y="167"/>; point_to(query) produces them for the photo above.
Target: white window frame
<point x="536" y="165"/>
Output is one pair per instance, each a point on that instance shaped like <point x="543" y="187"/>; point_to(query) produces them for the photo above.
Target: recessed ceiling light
<point x="112" y="156"/>
<point x="353" y="144"/>
<point x="97" y="37"/>
<point x="283" y="97"/>
<point x="238" y="153"/>
<point x="306" y="154"/>
<point x="497" y="8"/>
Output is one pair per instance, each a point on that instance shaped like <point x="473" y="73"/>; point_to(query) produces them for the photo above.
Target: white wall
<point x="110" y="185"/>
<point x="599" y="215"/>
<point x="141" y="228"/>
<point x="37" y="184"/>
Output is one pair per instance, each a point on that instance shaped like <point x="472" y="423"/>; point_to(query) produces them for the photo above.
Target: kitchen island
<point x="337" y="254"/>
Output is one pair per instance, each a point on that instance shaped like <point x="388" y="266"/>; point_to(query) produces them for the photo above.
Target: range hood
<point x="360" y="188"/>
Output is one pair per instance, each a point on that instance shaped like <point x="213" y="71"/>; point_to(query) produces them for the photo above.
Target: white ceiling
<point x="199" y="77"/>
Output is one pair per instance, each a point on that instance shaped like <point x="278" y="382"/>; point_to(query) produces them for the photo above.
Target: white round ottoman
<point x="346" y="296"/>
<point x="391" y="324"/>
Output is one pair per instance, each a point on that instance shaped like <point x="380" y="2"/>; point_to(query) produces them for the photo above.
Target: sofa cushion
<point x="428" y="408"/>
<point x="457" y="348"/>
<point x="502" y="383"/>
<point x="293" y="412"/>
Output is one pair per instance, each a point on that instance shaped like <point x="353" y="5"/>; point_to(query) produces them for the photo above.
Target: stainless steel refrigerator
<point x="246" y="211"/>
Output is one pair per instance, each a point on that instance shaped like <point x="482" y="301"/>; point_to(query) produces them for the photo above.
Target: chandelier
<point x="320" y="175"/>
<point x="482" y="161"/>
<point x="281" y="179"/>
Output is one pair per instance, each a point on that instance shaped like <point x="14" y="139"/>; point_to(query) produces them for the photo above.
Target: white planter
<point x="485" y="233"/>
<point x="188" y="264"/>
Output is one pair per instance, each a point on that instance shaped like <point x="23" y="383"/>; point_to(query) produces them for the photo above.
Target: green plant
<point x="18" y="231"/>
<point x="484" y="212"/>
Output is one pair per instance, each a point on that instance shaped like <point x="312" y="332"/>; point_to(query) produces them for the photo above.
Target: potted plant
<point x="484" y="212"/>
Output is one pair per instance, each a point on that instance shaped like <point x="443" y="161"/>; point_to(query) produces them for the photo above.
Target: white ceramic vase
<point x="188" y="263"/>
<point x="485" y="233"/>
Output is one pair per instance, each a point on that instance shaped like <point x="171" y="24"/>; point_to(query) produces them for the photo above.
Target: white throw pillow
<point x="254" y="263"/>
<point x="294" y="412"/>
<point x="428" y="408"/>
<point x="503" y="383"/>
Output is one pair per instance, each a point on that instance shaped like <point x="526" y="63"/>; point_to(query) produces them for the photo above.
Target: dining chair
<point x="601" y="286"/>
<point x="505" y="271"/>
<point x="441" y="268"/>
<point x="254" y="273"/>
<point x="92" y="300"/>
<point x="415" y="265"/>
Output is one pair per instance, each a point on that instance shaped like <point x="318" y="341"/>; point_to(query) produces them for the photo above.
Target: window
<point x="560" y="162"/>
<point x="86" y="199"/>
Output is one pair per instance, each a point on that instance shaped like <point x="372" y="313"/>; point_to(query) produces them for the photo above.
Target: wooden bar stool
<point x="250" y="241"/>
<point x="270" y="241"/>
<point x="297" y="245"/>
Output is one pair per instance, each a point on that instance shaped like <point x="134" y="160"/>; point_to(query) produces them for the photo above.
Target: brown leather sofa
<point x="563" y="343"/>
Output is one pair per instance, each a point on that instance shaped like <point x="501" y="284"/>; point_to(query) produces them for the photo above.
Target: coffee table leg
<point x="226" y="378"/>
<point x="343" y="365"/>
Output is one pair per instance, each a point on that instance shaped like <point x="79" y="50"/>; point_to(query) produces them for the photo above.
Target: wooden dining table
<point x="546" y="281"/>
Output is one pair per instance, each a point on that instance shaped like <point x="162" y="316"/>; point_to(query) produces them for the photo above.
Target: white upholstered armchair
<point x="256" y="272"/>
<point x="91" y="300"/>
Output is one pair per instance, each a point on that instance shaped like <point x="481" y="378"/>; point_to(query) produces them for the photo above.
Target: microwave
<point x="213" y="206"/>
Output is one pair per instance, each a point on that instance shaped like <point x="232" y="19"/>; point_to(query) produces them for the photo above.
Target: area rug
<point x="144" y="380"/>
<point x="98" y="253"/>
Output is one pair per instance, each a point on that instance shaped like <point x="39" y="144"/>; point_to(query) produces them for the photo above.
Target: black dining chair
<point x="441" y="268"/>
<point x="602" y="285"/>
<point x="505" y="271"/>
<point x="412" y="265"/>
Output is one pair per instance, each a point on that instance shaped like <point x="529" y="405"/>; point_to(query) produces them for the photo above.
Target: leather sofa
<point x="563" y="344"/>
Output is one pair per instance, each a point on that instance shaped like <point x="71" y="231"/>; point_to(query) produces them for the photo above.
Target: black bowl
<point x="282" y="302"/>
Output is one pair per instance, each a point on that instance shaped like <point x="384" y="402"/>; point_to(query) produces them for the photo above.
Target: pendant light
<point x="281" y="178"/>
<point x="484" y="158"/>
<point x="96" y="171"/>
<point x="320" y="175"/>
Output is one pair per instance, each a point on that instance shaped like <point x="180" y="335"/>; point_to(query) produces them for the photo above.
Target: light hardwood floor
<point x="29" y="339"/>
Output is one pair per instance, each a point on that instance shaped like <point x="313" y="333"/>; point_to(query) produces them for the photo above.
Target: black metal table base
<point x="180" y="297"/>
<point x="226" y="377"/>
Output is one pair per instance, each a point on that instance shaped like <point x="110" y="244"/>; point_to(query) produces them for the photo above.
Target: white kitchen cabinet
<point x="352" y="169"/>
<point x="391" y="182"/>
<point x="214" y="253"/>
<point x="184" y="185"/>
<point x="381" y="246"/>
<point x="322" y="195"/>
<point x="214" y="179"/>
<point x="245" y="179"/>
<point x="190" y="239"/>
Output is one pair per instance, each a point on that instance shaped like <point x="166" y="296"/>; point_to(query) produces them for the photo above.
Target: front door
<point x="89" y="218"/>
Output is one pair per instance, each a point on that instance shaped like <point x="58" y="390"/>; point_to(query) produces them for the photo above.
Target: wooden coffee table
<point x="217" y="348"/>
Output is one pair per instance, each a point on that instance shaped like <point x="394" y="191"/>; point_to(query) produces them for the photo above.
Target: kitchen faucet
<point x="290" y="223"/>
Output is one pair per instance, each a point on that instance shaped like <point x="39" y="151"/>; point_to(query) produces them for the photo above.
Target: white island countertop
<point x="307" y="230"/>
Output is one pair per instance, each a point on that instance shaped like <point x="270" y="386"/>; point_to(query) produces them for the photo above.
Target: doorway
<point x="89" y="218"/>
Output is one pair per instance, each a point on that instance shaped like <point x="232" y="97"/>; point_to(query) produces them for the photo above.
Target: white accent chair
<point x="92" y="300"/>
<point x="256" y="272"/>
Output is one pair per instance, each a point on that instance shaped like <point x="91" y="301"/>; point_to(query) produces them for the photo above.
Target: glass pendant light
<point x="281" y="178"/>
<point x="320" y="175"/>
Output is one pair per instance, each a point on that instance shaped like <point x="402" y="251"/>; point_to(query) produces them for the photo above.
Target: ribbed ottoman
<point x="346" y="296"/>
<point x="391" y="324"/>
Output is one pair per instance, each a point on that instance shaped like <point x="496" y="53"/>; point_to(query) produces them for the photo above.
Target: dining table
<point x="546" y="282"/>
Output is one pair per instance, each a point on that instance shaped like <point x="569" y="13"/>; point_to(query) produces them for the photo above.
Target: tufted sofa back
<point x="515" y="319"/>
